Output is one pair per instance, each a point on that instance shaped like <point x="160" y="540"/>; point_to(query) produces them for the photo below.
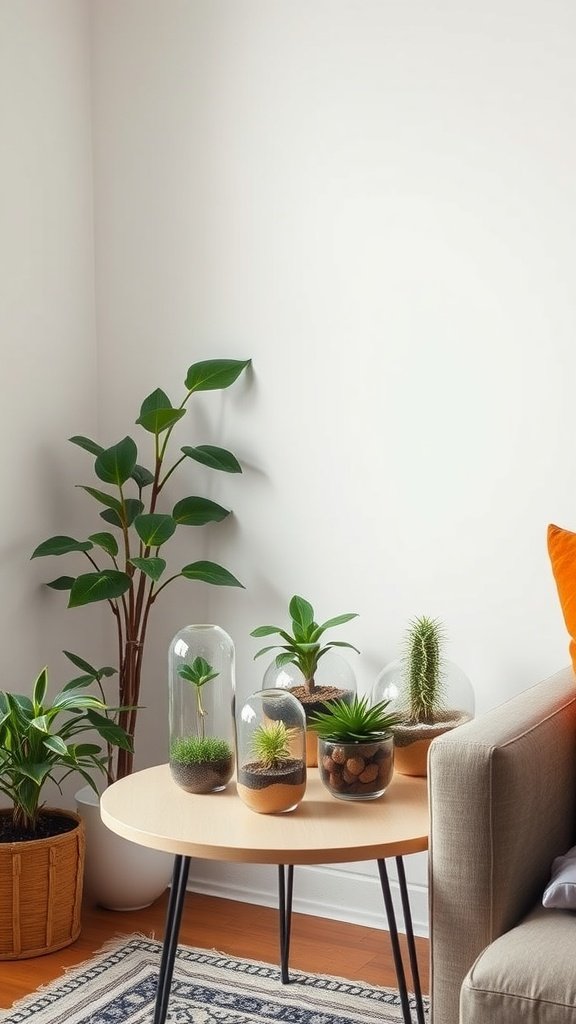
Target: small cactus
<point x="423" y="662"/>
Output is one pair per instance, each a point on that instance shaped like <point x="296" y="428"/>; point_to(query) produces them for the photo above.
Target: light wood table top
<point x="148" y="808"/>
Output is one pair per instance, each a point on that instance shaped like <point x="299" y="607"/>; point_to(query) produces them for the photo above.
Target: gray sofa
<point x="503" y="806"/>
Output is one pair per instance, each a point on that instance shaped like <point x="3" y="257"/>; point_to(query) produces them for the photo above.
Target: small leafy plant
<point x="187" y="750"/>
<point x="423" y="667"/>
<point x="127" y="569"/>
<point x="271" y="744"/>
<point x="303" y="647"/>
<point x="39" y="740"/>
<point x="198" y="674"/>
<point x="354" y="722"/>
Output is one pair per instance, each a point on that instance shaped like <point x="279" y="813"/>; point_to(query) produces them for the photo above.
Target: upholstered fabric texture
<point x="502" y="806"/>
<point x="526" y="975"/>
<point x="562" y="551"/>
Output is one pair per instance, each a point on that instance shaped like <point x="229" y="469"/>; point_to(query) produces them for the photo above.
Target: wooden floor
<point x="317" y="945"/>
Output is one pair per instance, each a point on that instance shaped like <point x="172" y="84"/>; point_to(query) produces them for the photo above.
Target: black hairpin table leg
<point x="395" y="943"/>
<point x="172" y="930"/>
<point x="285" y="885"/>
<point x="410" y="940"/>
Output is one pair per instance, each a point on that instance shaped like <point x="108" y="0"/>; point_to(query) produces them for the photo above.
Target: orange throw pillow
<point x="562" y="551"/>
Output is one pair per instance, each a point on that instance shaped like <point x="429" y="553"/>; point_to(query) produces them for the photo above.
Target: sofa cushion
<point x="561" y="889"/>
<point x="527" y="975"/>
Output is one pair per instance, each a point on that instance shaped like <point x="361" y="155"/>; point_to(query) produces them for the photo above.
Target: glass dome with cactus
<point x="430" y="693"/>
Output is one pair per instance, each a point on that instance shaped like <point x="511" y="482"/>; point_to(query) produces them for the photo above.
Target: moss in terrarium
<point x="197" y="750"/>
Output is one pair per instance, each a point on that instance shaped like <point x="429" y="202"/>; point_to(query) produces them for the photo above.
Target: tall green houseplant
<point x="128" y="569"/>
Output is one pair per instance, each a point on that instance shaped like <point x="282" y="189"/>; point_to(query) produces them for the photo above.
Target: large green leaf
<point x="198" y="511"/>
<point x="106" y="541"/>
<point x="87" y="444"/>
<point x="98" y="586"/>
<point x="154" y="529"/>
<point x="82" y="664"/>
<point x="62" y="583"/>
<point x="301" y="612"/>
<point x="105" y="499"/>
<point x="115" y="464"/>
<point x="212" y="374"/>
<point x="215" y="458"/>
<point x="157" y="412"/>
<point x="56" y="745"/>
<point x="152" y="567"/>
<point x="142" y="476"/>
<point x="61" y="546"/>
<point x="132" y="508"/>
<point x="210" y="572"/>
<point x="73" y="700"/>
<point x="36" y="772"/>
<point x="109" y="731"/>
<point x="40" y="687"/>
<point x="338" y="620"/>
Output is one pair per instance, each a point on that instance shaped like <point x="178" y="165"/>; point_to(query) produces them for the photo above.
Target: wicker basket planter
<point x="41" y="892"/>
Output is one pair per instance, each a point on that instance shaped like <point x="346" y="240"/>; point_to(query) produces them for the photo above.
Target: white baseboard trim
<point x="335" y="892"/>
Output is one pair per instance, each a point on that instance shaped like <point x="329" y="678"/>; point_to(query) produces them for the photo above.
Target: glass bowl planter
<point x="358" y="770"/>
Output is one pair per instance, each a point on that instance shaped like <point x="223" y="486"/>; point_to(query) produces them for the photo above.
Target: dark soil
<point x="47" y="825"/>
<point x="205" y="777"/>
<point x="290" y="772"/>
<point x="321" y="696"/>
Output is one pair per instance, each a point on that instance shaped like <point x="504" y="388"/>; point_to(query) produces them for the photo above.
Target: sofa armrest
<point x="502" y="806"/>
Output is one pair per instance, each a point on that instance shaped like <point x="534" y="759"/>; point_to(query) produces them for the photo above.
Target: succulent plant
<point x="271" y="744"/>
<point x="423" y="668"/>
<point x="345" y="722"/>
<point x="302" y="647"/>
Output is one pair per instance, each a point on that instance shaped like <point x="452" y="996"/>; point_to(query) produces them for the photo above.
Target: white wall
<point x="47" y="328"/>
<point x="375" y="201"/>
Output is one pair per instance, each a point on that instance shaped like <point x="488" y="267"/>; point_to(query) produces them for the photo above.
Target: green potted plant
<point x="128" y="571"/>
<point x="431" y="694"/>
<point x="127" y="567"/>
<point x="270" y="743"/>
<point x="200" y="763"/>
<point x="303" y="648"/>
<point x="42" y="849"/>
<point x="356" y="748"/>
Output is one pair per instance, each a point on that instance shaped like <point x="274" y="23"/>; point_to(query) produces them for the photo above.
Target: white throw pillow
<point x="561" y="889"/>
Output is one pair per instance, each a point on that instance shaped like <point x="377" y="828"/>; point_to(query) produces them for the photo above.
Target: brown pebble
<point x="355" y="765"/>
<point x="347" y="777"/>
<point x="369" y="774"/>
<point x="327" y="763"/>
<point x="338" y="755"/>
<point x="336" y="781"/>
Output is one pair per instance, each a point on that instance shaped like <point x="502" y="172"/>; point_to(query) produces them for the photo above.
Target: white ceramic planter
<point x="119" y="875"/>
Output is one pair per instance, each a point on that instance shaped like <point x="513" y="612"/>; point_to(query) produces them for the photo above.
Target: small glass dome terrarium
<point x="271" y="747"/>
<point x="201" y="708"/>
<point x="431" y="694"/>
<point x="310" y="670"/>
<point x="356" y="748"/>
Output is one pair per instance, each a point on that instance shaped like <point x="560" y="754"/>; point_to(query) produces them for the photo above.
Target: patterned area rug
<point x="119" y="984"/>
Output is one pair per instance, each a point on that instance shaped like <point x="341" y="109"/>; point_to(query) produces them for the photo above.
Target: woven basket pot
<point x="41" y="892"/>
